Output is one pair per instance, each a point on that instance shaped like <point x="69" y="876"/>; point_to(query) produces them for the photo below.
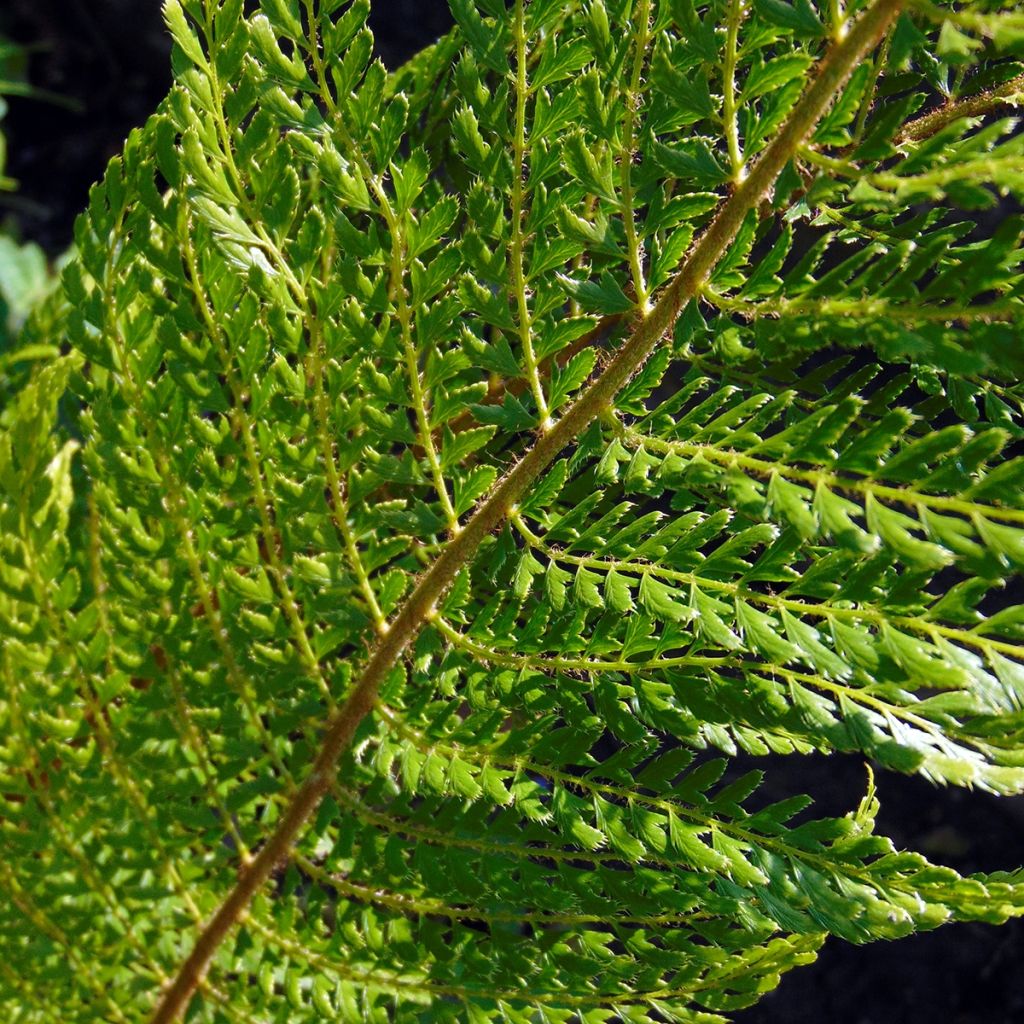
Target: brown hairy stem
<point x="1010" y="93"/>
<point x="417" y="610"/>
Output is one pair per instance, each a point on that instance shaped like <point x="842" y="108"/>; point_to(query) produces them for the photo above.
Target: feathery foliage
<point x="437" y="462"/>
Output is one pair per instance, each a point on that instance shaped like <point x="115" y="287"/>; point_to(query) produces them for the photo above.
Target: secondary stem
<point x="634" y="245"/>
<point x="518" y="242"/>
<point x="729" y="119"/>
<point x="1010" y="93"/>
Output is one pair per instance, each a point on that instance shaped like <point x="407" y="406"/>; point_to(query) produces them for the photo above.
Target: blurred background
<point x="92" y="70"/>
<point x="98" y="68"/>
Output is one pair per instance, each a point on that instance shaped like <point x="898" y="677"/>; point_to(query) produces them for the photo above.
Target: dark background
<point x="111" y="57"/>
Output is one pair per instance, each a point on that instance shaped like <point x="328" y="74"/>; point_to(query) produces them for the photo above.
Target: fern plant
<point x="444" y="469"/>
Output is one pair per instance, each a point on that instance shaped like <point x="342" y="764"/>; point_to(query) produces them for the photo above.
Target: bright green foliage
<point x="317" y="311"/>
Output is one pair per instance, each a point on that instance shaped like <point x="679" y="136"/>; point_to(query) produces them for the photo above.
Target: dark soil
<point x="112" y="58"/>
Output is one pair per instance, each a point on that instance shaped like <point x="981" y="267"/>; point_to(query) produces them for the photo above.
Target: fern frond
<point x="443" y="460"/>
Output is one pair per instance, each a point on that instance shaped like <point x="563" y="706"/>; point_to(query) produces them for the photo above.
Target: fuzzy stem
<point x="634" y="244"/>
<point x="420" y="607"/>
<point x="1010" y="93"/>
<point x="518" y="241"/>
<point x="729" y="111"/>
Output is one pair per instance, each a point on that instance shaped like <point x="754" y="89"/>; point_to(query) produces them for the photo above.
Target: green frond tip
<point x="434" y="493"/>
